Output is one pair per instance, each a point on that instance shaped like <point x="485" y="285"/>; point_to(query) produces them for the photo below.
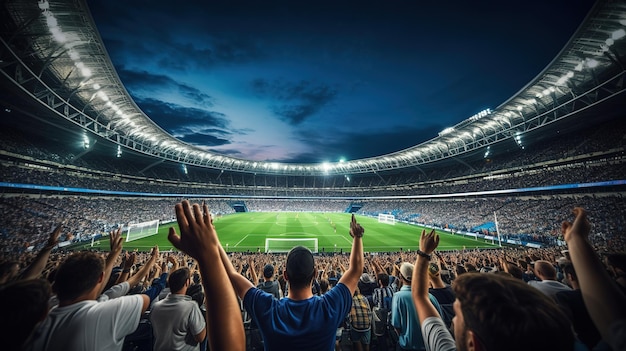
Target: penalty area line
<point x="242" y="239"/>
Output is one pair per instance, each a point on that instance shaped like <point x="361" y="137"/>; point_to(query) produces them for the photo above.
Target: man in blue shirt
<point x="301" y="321"/>
<point x="404" y="315"/>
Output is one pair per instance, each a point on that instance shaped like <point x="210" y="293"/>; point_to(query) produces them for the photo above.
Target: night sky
<point x="318" y="81"/>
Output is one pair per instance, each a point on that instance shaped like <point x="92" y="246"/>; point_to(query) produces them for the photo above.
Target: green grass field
<point x="248" y="231"/>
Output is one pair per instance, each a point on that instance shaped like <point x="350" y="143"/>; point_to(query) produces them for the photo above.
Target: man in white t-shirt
<point x="80" y="322"/>
<point x="177" y="322"/>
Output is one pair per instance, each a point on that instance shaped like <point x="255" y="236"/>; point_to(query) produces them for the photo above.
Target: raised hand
<point x="129" y="260"/>
<point x="115" y="241"/>
<point x="429" y="242"/>
<point x="197" y="232"/>
<point x="581" y="226"/>
<point x="53" y="239"/>
<point x="356" y="230"/>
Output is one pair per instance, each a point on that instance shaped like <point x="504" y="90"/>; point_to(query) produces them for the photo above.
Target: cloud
<point x="143" y="84"/>
<point x="296" y="101"/>
<point x="204" y="139"/>
<point x="192" y="125"/>
<point x="361" y="144"/>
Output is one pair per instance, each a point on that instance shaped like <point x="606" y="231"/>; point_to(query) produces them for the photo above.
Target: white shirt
<point x="89" y="325"/>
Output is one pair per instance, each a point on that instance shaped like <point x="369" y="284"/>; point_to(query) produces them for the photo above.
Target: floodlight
<point x="119" y="151"/>
<point x="51" y="21"/>
<point x="44" y="5"/>
<point x="96" y="86"/>
<point x="618" y="34"/>
<point x="86" y="72"/>
<point x="58" y="35"/>
<point x="592" y="63"/>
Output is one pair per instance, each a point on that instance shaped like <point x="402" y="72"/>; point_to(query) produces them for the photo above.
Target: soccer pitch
<point x="247" y="232"/>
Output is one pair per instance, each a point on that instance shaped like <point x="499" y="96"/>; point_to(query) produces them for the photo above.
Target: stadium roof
<point x="52" y="53"/>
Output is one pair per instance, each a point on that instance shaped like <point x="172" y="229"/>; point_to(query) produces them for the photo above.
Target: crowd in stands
<point x="528" y="219"/>
<point x="591" y="155"/>
<point x="202" y="297"/>
<point x="517" y="298"/>
<point x="582" y="172"/>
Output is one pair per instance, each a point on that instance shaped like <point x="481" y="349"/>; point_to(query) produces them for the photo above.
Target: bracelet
<point x="424" y="254"/>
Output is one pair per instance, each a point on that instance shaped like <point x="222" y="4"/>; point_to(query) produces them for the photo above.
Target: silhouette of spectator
<point x="547" y="284"/>
<point x="403" y="314"/>
<point x="360" y="322"/>
<point x="80" y="322"/>
<point x="269" y="285"/>
<point x="616" y="263"/>
<point x="177" y="322"/>
<point x="23" y="303"/>
<point x="301" y="321"/>
<point x="492" y="312"/>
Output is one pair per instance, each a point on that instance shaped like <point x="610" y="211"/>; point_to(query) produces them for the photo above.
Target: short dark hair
<point x="178" y="279"/>
<point x="300" y="267"/>
<point x="383" y="278"/>
<point x="23" y="304"/>
<point x="78" y="274"/>
<point x="508" y="314"/>
<point x="569" y="269"/>
<point x="268" y="271"/>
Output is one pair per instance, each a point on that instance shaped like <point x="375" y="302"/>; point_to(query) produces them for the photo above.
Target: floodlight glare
<point x="44" y="5"/>
<point x="618" y="34"/>
<point x="591" y="63"/>
<point x="51" y="21"/>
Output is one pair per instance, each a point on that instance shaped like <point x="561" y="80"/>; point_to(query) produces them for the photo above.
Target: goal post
<point x="273" y="245"/>
<point x="141" y="230"/>
<point x="386" y="218"/>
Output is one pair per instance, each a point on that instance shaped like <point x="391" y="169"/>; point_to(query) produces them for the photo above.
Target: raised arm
<point x="419" y="282"/>
<point x="240" y="283"/>
<point x="145" y="268"/>
<point x="127" y="263"/>
<point x="604" y="301"/>
<point x="351" y="276"/>
<point x="198" y="239"/>
<point x="253" y="276"/>
<point x="34" y="270"/>
<point x="115" y="244"/>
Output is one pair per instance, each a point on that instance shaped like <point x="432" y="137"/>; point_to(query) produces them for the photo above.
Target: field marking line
<point x="242" y="239"/>
<point x="346" y="239"/>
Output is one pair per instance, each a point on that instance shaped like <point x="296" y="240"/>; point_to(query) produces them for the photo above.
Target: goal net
<point x="142" y="230"/>
<point x="284" y="245"/>
<point x="386" y="218"/>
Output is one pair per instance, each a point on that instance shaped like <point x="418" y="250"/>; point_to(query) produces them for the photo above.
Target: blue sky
<point x="317" y="81"/>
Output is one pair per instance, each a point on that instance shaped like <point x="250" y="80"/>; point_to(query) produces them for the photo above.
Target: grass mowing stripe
<point x="249" y="230"/>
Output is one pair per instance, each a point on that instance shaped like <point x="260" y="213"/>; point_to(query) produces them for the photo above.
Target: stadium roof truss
<point x="52" y="51"/>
